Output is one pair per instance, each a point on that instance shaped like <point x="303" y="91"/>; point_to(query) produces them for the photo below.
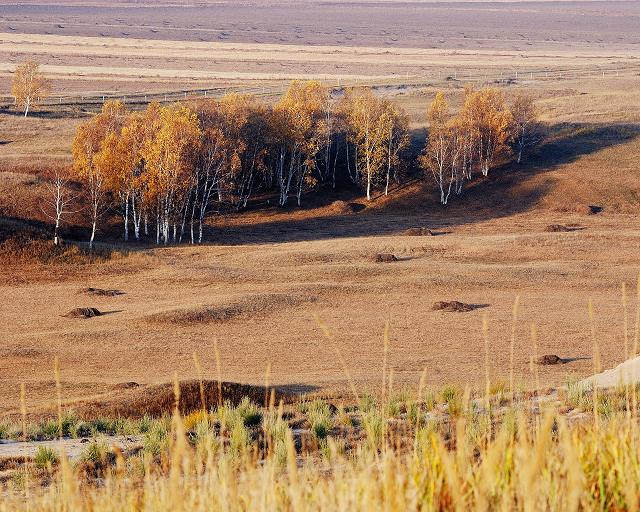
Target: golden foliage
<point x="29" y="87"/>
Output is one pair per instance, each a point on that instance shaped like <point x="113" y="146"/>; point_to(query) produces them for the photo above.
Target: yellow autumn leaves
<point x="165" y="166"/>
<point x="478" y="137"/>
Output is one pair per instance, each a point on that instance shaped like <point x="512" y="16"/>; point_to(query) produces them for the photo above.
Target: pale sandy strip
<point x="102" y="71"/>
<point x="13" y="41"/>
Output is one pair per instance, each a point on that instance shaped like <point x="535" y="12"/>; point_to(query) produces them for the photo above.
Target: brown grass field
<point x="256" y="285"/>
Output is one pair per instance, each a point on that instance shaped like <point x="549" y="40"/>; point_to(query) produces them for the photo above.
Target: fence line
<point x="406" y="79"/>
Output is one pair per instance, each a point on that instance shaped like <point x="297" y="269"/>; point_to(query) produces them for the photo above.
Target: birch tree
<point x="438" y="157"/>
<point x="246" y="127"/>
<point x="302" y="119"/>
<point x="370" y="123"/>
<point x="397" y="141"/>
<point x="488" y="121"/>
<point x="169" y="158"/>
<point x="57" y="203"/>
<point x="87" y="161"/>
<point x="363" y="112"/>
<point x="211" y="162"/>
<point x="30" y="87"/>
<point x="525" y="128"/>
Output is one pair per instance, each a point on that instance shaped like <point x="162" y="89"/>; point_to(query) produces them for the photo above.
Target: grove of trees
<point x="485" y="132"/>
<point x="166" y="167"/>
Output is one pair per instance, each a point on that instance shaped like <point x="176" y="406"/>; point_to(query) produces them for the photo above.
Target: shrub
<point x="156" y="440"/>
<point x="81" y="429"/>
<point x="375" y="427"/>
<point x="46" y="458"/>
<point x="95" y="452"/>
<point x="319" y="415"/>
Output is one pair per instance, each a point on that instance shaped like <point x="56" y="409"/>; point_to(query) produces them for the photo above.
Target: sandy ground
<point x="72" y="447"/>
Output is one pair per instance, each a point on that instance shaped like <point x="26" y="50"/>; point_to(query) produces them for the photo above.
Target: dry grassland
<point x="263" y="274"/>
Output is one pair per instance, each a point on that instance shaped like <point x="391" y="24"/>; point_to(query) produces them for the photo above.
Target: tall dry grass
<point x="527" y="465"/>
<point x="495" y="451"/>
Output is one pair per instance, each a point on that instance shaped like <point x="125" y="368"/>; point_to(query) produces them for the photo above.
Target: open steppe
<point x="119" y="48"/>
<point x="262" y="275"/>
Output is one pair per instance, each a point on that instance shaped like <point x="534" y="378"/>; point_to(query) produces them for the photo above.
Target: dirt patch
<point x="13" y="454"/>
<point x="159" y="399"/>
<point x="99" y="292"/>
<point x="245" y="308"/>
<point x="550" y="359"/>
<point x="385" y="258"/>
<point x="83" y="313"/>
<point x="20" y="352"/>
<point x="453" y="306"/>
<point x="418" y="232"/>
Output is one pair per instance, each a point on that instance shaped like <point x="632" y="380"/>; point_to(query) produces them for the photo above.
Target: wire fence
<point x="277" y="87"/>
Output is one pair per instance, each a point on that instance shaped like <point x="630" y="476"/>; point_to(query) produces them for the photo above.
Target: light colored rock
<point x="625" y="373"/>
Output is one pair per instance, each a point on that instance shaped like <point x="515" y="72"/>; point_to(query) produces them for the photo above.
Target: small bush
<point x="81" y="429"/>
<point x="5" y="428"/>
<point x="156" y="440"/>
<point x="375" y="427"/>
<point x="194" y="419"/>
<point x="319" y="415"/>
<point x="453" y="400"/>
<point x="48" y="430"/>
<point x="367" y="403"/>
<point x="46" y="458"/>
<point x="95" y="452"/>
<point x="145" y="423"/>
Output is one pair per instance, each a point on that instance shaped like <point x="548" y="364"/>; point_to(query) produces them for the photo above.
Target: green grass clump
<point x="319" y="415"/>
<point x="95" y="452"/>
<point x="46" y="458"/>
<point x="156" y="439"/>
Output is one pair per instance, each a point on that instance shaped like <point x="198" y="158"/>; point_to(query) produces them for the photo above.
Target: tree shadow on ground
<point x="74" y="113"/>
<point x="508" y="190"/>
<point x="416" y="203"/>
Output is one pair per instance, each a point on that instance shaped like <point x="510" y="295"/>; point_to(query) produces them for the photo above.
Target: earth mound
<point x="344" y="207"/>
<point x="453" y="306"/>
<point x="589" y="209"/>
<point x="385" y="258"/>
<point x="557" y="228"/>
<point x="156" y="400"/>
<point x="99" y="292"/>
<point x="418" y="232"/>
<point x="83" y="313"/>
<point x="550" y="359"/>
